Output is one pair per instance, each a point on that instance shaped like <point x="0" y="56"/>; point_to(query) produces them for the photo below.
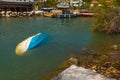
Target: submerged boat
<point x="29" y="43"/>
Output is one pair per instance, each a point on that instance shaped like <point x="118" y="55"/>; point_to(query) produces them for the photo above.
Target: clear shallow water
<point x="65" y="37"/>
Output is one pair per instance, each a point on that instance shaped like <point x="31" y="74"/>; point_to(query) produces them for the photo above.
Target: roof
<point x="95" y="2"/>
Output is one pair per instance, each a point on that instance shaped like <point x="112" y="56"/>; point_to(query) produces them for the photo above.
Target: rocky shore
<point x="34" y="13"/>
<point x="20" y="14"/>
<point x="79" y="73"/>
<point x="105" y="61"/>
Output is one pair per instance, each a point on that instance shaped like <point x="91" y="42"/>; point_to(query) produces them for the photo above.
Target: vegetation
<point x="86" y="4"/>
<point x="50" y="3"/>
<point x="108" y="18"/>
<point x="118" y="2"/>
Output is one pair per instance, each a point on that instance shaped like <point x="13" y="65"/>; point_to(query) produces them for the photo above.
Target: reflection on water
<point x="65" y="37"/>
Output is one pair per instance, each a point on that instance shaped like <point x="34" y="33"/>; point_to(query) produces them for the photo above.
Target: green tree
<point x="50" y="3"/>
<point x="118" y="2"/>
<point x="87" y="0"/>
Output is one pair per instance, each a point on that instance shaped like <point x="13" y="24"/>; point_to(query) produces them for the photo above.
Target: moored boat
<point x="48" y="9"/>
<point x="48" y="14"/>
<point x="65" y="15"/>
<point x="87" y="14"/>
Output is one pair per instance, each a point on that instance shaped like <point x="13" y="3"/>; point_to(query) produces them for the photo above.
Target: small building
<point x="16" y="5"/>
<point x="76" y="3"/>
<point x="42" y="0"/>
<point x="61" y="5"/>
<point x="94" y="3"/>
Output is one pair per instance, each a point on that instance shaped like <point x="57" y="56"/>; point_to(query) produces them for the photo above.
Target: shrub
<point x="108" y="19"/>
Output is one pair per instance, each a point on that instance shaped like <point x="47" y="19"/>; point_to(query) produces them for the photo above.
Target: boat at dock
<point x="48" y="9"/>
<point x="65" y="14"/>
<point x="48" y="14"/>
<point x="87" y="14"/>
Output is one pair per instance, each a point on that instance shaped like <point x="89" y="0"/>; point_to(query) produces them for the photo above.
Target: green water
<point x="65" y="37"/>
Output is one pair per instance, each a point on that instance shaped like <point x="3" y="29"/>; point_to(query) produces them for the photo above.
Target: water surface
<point x="65" y="37"/>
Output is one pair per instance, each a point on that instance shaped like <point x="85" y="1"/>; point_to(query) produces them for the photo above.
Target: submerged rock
<point x="114" y="47"/>
<point x="80" y="73"/>
<point x="73" y="60"/>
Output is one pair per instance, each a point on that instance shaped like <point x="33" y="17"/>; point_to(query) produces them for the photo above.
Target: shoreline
<point x="21" y="14"/>
<point x="105" y="61"/>
<point x="52" y="13"/>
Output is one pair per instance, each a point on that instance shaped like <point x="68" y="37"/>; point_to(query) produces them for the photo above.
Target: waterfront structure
<point x="63" y="5"/>
<point x="76" y="3"/>
<point x="63" y="1"/>
<point x="94" y="3"/>
<point x="42" y="0"/>
<point x="16" y="5"/>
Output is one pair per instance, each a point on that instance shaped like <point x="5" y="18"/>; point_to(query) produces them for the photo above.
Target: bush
<point x="108" y="20"/>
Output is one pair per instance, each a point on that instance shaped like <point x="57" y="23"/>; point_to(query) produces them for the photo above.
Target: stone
<point x="73" y="60"/>
<point x="115" y="47"/>
<point x="80" y="73"/>
<point x="111" y="71"/>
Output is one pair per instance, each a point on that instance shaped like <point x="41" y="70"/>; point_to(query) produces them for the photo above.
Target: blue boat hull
<point x="29" y="43"/>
